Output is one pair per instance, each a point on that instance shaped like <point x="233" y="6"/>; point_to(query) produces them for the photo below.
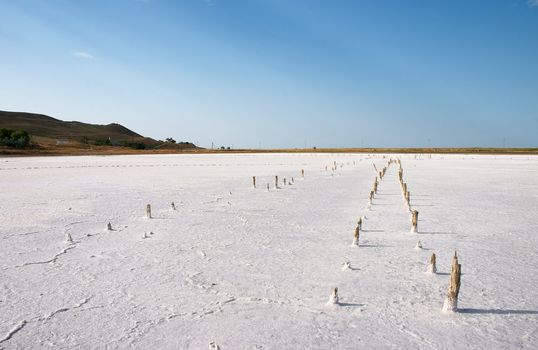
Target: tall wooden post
<point x="451" y="301"/>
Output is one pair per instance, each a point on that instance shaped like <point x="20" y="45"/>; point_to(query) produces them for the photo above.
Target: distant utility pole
<point x="212" y="145"/>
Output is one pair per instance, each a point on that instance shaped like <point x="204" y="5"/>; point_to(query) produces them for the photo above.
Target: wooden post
<point x="333" y="299"/>
<point x="276" y="181"/>
<point x="109" y="227"/>
<point x="414" y="220"/>
<point x="173" y="205"/>
<point x="284" y="182"/>
<point x="433" y="266"/>
<point x="148" y="211"/>
<point x="302" y="172"/>
<point x="254" y="181"/>
<point x="356" y="236"/>
<point x="68" y="237"/>
<point x="451" y="301"/>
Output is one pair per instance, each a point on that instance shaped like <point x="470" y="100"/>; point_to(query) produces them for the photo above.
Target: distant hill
<point x="46" y="130"/>
<point x="45" y="126"/>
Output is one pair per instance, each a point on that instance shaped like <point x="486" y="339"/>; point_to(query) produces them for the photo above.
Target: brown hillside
<point x="45" y="126"/>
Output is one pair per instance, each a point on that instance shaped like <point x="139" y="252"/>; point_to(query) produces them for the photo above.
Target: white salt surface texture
<point x="244" y="268"/>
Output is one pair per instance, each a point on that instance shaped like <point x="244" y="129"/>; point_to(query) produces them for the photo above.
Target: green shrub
<point x="14" y="138"/>
<point x="105" y="142"/>
<point x="135" y="145"/>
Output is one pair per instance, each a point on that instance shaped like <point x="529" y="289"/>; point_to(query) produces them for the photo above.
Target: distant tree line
<point x="14" y="138"/>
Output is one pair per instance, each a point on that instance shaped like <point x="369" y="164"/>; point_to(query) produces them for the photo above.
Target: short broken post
<point x="68" y="237"/>
<point x="109" y="227"/>
<point x="356" y="236"/>
<point x="333" y="299"/>
<point x="433" y="267"/>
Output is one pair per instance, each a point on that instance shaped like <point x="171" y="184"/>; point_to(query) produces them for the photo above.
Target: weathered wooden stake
<point x="276" y="181"/>
<point x="433" y="267"/>
<point x="148" y="211"/>
<point x="285" y="182"/>
<point x="254" y="181"/>
<point x="414" y="221"/>
<point x="451" y="301"/>
<point x="302" y="172"/>
<point x="356" y="236"/>
<point x="109" y="227"/>
<point x="333" y="299"/>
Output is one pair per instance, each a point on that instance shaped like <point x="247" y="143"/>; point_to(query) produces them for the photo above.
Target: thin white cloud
<point x="532" y="3"/>
<point x="212" y="3"/>
<point x="83" y="55"/>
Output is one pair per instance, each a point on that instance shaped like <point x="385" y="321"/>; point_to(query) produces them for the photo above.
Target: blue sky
<point x="280" y="73"/>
